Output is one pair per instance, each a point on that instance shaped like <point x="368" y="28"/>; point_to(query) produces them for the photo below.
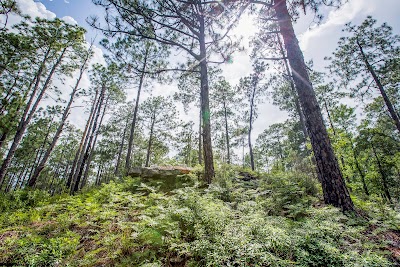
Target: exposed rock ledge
<point x="159" y="172"/>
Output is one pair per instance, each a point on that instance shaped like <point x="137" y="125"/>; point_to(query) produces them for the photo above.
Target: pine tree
<point x="365" y="55"/>
<point x="191" y="27"/>
<point x="334" y="188"/>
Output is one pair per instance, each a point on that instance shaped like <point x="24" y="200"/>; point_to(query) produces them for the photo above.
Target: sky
<point x="316" y="42"/>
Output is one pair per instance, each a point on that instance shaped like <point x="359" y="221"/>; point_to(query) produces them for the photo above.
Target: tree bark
<point x="388" y="103"/>
<point x="293" y="88"/>
<point x="205" y="105"/>
<point x="60" y="128"/>
<point x="333" y="185"/>
<point x="251" y="127"/>
<point x="227" y="134"/>
<point x="84" y="139"/>
<point x="25" y="122"/>
<point x="121" y="147"/>
<point x="362" y="175"/>
<point x="200" y="142"/>
<point x="189" y="150"/>
<point x="135" y="111"/>
<point x="382" y="173"/>
<point x="329" y="118"/>
<point x="91" y="149"/>
<point x="153" y="121"/>
<point x="40" y="151"/>
<point x="88" y="142"/>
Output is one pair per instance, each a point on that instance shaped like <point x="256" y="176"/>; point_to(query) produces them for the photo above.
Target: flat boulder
<point x="169" y="177"/>
<point x="159" y="171"/>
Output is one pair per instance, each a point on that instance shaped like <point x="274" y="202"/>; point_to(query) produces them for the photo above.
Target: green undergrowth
<point x="260" y="221"/>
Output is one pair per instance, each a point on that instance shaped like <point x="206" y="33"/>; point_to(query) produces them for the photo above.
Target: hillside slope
<point x="241" y="221"/>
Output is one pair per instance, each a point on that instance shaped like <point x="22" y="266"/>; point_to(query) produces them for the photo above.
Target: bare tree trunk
<point x="388" y="103"/>
<point x="189" y="150"/>
<point x="200" y="140"/>
<point x="84" y="156"/>
<point x="11" y="178"/>
<point x="382" y="173"/>
<point x="135" y="111"/>
<point x="25" y="122"/>
<point x="329" y="118"/>
<point x="293" y="88"/>
<point x="121" y="148"/>
<point x="60" y="128"/>
<point x="91" y="151"/>
<point x="362" y="175"/>
<point x="243" y="145"/>
<point x="227" y="134"/>
<point x="6" y="130"/>
<point x="251" y="128"/>
<point x="25" y="174"/>
<point x="84" y="139"/>
<point x="153" y="121"/>
<point x="205" y="105"/>
<point x="99" y="171"/>
<point x="328" y="113"/>
<point x="333" y="185"/>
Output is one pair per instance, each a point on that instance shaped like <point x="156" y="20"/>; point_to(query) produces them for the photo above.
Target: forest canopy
<point x="161" y="98"/>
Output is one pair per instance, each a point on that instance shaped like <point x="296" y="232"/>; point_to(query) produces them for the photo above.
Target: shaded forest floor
<point x="238" y="221"/>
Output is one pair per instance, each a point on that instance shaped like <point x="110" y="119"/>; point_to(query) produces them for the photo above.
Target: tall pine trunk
<point x="200" y="153"/>
<point x="91" y="149"/>
<point x="227" y="133"/>
<point x="205" y="106"/>
<point x="82" y="144"/>
<point x="334" y="188"/>
<point x="360" y="171"/>
<point x="135" y="112"/>
<point x="121" y="147"/>
<point x="251" y="127"/>
<point x="293" y="88"/>
<point x="153" y="121"/>
<point x="378" y="83"/>
<point x="382" y="173"/>
<point x="28" y="115"/>
<point x="60" y="128"/>
<point x="88" y="142"/>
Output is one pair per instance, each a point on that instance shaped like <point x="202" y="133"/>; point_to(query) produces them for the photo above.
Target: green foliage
<point x="238" y="221"/>
<point x="290" y="194"/>
<point x="21" y="199"/>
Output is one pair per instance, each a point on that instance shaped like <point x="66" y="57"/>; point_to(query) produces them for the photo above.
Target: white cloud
<point x="69" y="20"/>
<point x="35" y="9"/>
<point x="336" y="18"/>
